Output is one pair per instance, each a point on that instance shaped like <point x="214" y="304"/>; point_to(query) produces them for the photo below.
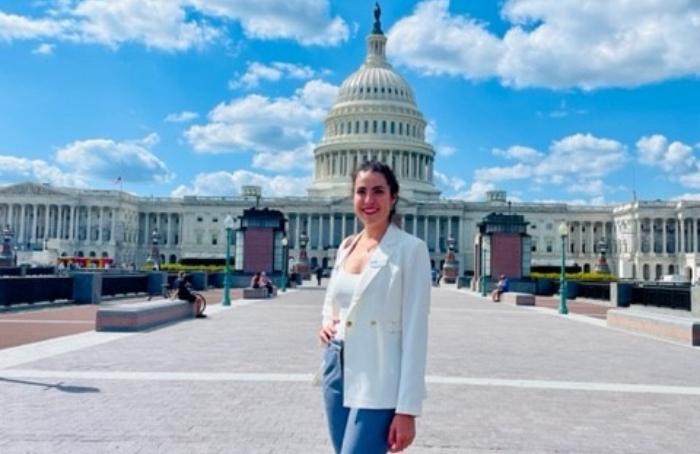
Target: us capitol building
<point x="375" y="115"/>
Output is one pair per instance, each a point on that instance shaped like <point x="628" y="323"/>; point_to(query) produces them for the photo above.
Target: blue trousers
<point x="353" y="430"/>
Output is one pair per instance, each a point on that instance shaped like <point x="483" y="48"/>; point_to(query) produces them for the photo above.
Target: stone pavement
<point x="501" y="379"/>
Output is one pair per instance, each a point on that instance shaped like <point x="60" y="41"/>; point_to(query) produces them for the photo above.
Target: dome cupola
<point x="374" y="116"/>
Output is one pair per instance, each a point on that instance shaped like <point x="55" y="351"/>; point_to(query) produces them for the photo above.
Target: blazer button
<point x="373" y="322"/>
<point x="348" y="324"/>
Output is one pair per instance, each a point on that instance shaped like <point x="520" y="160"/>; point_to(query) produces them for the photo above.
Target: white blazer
<point x="386" y="329"/>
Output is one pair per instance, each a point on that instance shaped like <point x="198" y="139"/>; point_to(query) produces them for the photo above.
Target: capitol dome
<point x="374" y="116"/>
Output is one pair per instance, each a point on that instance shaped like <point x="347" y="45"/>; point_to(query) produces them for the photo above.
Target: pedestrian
<point x="375" y="325"/>
<point x="319" y="274"/>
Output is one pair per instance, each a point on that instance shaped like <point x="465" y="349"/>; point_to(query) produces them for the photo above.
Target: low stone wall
<point x="517" y="298"/>
<point x="679" y="328"/>
<point x="142" y="316"/>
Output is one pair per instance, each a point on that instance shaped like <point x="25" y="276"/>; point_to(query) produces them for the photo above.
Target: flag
<point x="118" y="180"/>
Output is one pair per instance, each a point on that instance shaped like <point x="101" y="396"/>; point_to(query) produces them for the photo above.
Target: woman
<point x="375" y="325"/>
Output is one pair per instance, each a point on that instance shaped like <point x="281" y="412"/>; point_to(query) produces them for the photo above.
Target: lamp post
<point x="6" y="256"/>
<point x="285" y="262"/>
<point x="226" y="301"/>
<point x="483" y="268"/>
<point x="563" y="232"/>
<point x="154" y="255"/>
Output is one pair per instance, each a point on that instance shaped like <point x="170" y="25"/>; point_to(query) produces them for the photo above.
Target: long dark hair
<point x="373" y="165"/>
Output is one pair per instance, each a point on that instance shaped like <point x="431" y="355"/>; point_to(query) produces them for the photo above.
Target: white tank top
<point x="342" y="290"/>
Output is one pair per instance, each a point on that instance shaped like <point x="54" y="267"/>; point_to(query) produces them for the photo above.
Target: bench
<point x="142" y="316"/>
<point x="519" y="299"/>
<point x="680" y="328"/>
<point x="258" y="293"/>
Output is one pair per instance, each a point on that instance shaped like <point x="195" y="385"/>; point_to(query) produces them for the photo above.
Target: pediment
<point x="29" y="188"/>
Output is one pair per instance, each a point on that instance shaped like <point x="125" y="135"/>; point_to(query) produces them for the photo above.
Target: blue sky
<point x="584" y="102"/>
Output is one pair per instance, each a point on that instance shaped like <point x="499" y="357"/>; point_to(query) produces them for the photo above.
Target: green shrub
<point x="583" y="277"/>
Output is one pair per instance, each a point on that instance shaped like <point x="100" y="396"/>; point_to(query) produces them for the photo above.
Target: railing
<point x="672" y="296"/>
<point x="120" y="284"/>
<point x="594" y="290"/>
<point x="21" y="290"/>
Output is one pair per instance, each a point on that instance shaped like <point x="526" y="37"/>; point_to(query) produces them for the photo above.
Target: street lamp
<point x="285" y="262"/>
<point x="228" y="223"/>
<point x="483" y="267"/>
<point x="563" y="230"/>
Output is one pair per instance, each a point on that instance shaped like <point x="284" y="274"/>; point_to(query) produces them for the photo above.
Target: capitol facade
<point x="375" y="115"/>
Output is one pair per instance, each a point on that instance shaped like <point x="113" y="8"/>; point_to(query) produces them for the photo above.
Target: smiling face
<point x="372" y="198"/>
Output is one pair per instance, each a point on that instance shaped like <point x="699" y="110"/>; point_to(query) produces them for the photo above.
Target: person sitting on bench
<point x="261" y="280"/>
<point x="182" y="287"/>
<point x="501" y="287"/>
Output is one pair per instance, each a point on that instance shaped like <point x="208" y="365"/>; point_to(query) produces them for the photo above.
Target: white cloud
<point x="181" y="117"/>
<point x="580" y="156"/>
<point x="285" y="160"/>
<point x="448" y="183"/>
<point x="271" y="72"/>
<point x="13" y="169"/>
<point x="155" y="23"/>
<point x="445" y="150"/>
<point x="317" y="94"/>
<point x="177" y="25"/>
<point x="104" y="159"/>
<point x="519" y="153"/>
<point x="613" y="43"/>
<point x="497" y="174"/>
<point x="44" y="49"/>
<point x="14" y="27"/>
<point x="476" y="192"/>
<point x="433" y="41"/>
<point x="305" y="21"/>
<point x="574" y="164"/>
<point x="280" y="130"/>
<point x="431" y="137"/>
<point x="223" y="183"/>
<point x="676" y="159"/>
<point x="687" y="196"/>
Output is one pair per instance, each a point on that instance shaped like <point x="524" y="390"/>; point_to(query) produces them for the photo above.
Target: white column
<point x="663" y="234"/>
<point x="35" y="222"/>
<point x="47" y="213"/>
<point x="88" y="236"/>
<point x="343" y="233"/>
<point x="113" y="227"/>
<point x="100" y="223"/>
<point x="22" y="232"/>
<point x="319" y="243"/>
<point x="425" y="229"/>
<point x="59" y="225"/>
<point x="331" y="228"/>
<point x="437" y="234"/>
<point x="73" y="224"/>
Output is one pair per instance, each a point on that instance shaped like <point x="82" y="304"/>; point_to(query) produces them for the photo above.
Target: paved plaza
<point x="501" y="379"/>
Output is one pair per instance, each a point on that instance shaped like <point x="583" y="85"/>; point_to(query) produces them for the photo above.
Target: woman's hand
<point x="402" y="432"/>
<point x="328" y="332"/>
